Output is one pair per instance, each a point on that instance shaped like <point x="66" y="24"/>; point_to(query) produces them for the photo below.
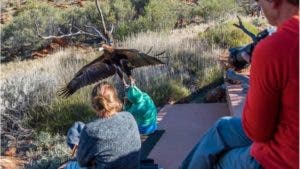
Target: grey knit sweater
<point x="110" y="143"/>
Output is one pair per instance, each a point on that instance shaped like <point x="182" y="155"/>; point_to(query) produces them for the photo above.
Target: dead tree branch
<point x="70" y="34"/>
<point x="242" y="27"/>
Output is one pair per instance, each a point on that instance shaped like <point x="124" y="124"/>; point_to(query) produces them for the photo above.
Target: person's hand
<point x="74" y="150"/>
<point x="245" y="56"/>
<point x="132" y="81"/>
<point x="63" y="166"/>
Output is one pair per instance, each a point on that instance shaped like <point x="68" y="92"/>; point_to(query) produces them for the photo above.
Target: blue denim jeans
<point x="224" y="146"/>
<point x="147" y="129"/>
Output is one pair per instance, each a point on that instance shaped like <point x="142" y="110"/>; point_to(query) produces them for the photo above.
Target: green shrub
<point x="260" y="22"/>
<point x="50" y="151"/>
<point x="21" y="92"/>
<point x="209" y="75"/>
<point x="160" y="15"/>
<point x="215" y="9"/>
<point x="249" y="7"/>
<point x="155" y="16"/>
<point x="123" y="10"/>
<point x="168" y="91"/>
<point x="226" y="35"/>
<point x="139" y="6"/>
<point x="59" y="116"/>
<point x="116" y="12"/>
<point x="20" y="34"/>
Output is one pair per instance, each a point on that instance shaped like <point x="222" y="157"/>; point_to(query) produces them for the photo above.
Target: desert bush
<point x="211" y="71"/>
<point x="168" y="91"/>
<point x="123" y="10"/>
<point x="247" y="7"/>
<point x="226" y="35"/>
<point x="139" y="6"/>
<point x="21" y="94"/>
<point x="260" y="23"/>
<point x="128" y="28"/>
<point x="157" y="15"/>
<point x="114" y="12"/>
<point x="160" y="15"/>
<point x="28" y="92"/>
<point x="19" y="35"/>
<point x="58" y="116"/>
<point x="215" y="9"/>
<point x="49" y="151"/>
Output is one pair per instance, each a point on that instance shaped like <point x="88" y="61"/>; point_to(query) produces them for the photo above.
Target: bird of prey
<point x="112" y="61"/>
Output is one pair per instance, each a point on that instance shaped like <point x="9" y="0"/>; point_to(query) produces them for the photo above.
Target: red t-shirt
<point x="271" y="113"/>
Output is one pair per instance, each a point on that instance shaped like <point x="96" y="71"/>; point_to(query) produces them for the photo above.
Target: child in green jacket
<point x="143" y="109"/>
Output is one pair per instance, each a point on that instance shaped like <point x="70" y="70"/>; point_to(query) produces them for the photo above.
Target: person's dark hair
<point x="105" y="100"/>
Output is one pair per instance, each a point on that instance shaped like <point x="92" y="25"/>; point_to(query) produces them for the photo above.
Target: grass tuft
<point x="227" y="35"/>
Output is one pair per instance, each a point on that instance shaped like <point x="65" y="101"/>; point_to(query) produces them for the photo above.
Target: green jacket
<point x="141" y="106"/>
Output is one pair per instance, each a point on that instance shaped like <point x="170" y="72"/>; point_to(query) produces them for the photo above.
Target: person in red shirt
<point x="267" y="136"/>
<point x="271" y="113"/>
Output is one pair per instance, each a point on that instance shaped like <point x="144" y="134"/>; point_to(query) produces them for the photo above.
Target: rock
<point x="11" y="162"/>
<point x="217" y="94"/>
<point x="10" y="151"/>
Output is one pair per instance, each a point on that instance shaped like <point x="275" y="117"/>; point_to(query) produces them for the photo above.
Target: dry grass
<point x="186" y="55"/>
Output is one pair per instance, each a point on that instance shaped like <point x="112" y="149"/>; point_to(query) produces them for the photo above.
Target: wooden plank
<point x="184" y="125"/>
<point x="236" y="99"/>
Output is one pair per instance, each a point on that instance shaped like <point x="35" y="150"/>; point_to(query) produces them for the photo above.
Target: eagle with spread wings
<point x="112" y="61"/>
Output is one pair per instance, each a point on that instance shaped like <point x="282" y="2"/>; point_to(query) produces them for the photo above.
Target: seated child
<point x="143" y="109"/>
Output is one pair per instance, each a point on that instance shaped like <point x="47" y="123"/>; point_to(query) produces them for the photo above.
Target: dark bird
<point x="110" y="62"/>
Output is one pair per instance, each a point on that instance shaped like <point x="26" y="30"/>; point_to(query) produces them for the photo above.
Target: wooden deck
<point x="184" y="124"/>
<point x="236" y="96"/>
<point x="235" y="99"/>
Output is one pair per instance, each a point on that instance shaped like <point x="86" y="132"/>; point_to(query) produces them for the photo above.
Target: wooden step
<point x="236" y="95"/>
<point x="184" y="125"/>
<point x="236" y="99"/>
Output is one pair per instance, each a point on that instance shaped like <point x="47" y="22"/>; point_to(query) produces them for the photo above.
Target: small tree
<point x="19" y="36"/>
<point x="160" y="15"/>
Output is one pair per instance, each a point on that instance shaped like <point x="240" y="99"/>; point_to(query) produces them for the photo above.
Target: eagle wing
<point x="137" y="58"/>
<point x="89" y="74"/>
<point x="98" y="59"/>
